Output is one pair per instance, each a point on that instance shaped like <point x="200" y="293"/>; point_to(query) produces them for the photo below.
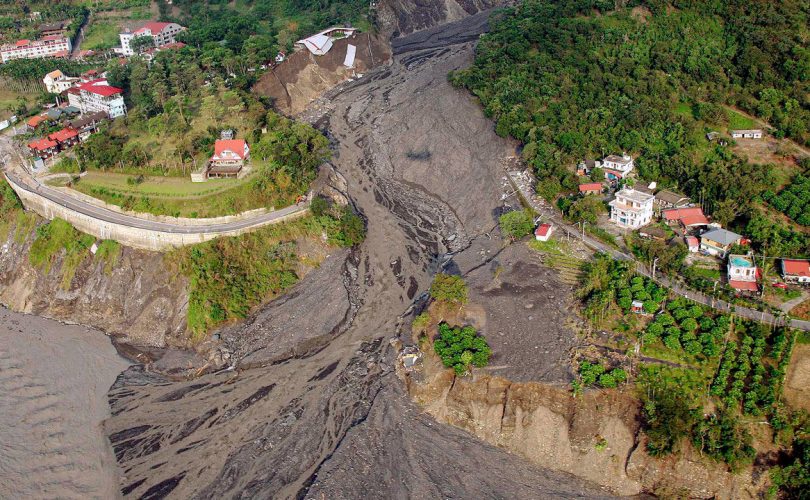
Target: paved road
<point x="10" y="157"/>
<point x="523" y="183"/>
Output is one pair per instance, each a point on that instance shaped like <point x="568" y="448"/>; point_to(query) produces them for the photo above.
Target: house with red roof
<point x="742" y="273"/>
<point x="36" y="121"/>
<point x="543" y="232"/>
<point x="692" y="243"/>
<point x="43" y="148"/>
<point x="689" y="218"/>
<point x="161" y="34"/>
<point x="230" y="156"/>
<point x="98" y="95"/>
<point x="66" y="138"/>
<point x="796" y="271"/>
<point x="590" y="188"/>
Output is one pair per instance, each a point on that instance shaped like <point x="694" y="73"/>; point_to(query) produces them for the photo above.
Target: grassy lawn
<point x="8" y="100"/>
<point x="683" y="109"/>
<point x="176" y="196"/>
<point x="169" y="187"/>
<point x="101" y="35"/>
<point x="736" y="121"/>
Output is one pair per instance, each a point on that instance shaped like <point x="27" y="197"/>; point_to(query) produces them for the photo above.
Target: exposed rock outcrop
<point x="136" y="300"/>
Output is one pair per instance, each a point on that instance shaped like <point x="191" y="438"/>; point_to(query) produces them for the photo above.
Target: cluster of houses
<point x="230" y="160"/>
<point x="72" y="132"/>
<point x="634" y="208"/>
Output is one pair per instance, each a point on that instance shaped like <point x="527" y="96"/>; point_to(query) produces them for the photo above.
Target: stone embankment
<point x="137" y="232"/>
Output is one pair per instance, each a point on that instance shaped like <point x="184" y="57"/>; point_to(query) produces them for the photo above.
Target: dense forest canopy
<point x="581" y="79"/>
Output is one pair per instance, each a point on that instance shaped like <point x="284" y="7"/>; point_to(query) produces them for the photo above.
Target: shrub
<point x="516" y="224"/>
<point x="460" y="347"/>
<point x="449" y="289"/>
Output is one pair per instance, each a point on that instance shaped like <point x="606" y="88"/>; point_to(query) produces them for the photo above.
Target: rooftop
<point x="671" y="197"/>
<point x="634" y="195"/>
<point x="154" y="27"/>
<point x="747" y="131"/>
<point x="622" y="160"/>
<point x="796" y="267"/>
<point x="100" y="87"/>
<point x="590" y="186"/>
<point x="235" y="146"/>
<point x="543" y="229"/>
<point x="745" y="286"/>
<point x="722" y="236"/>
<point x="42" y="144"/>
<point x="63" y="135"/>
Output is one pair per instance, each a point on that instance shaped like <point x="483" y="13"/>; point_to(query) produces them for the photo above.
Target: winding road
<point x="522" y="183"/>
<point x="20" y="179"/>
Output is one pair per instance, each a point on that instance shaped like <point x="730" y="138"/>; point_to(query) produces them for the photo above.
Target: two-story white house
<point x="56" y="82"/>
<point x="617" y="167"/>
<point x="631" y="209"/>
<point x="98" y="95"/>
<point x="161" y="33"/>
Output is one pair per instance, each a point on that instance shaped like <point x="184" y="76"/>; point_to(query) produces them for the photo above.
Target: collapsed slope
<point x="321" y="413"/>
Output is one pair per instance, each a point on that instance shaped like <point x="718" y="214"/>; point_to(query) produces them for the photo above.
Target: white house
<point x="742" y="273"/>
<point x="98" y="95"/>
<point x="617" y="167"/>
<point x="161" y="33"/>
<point x="543" y="232"/>
<point x="747" y="134"/>
<point x="49" y="46"/>
<point x="56" y="82"/>
<point x="320" y="43"/>
<point x="631" y="209"/>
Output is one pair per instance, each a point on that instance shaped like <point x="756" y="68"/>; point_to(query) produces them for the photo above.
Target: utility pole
<point x="655" y="261"/>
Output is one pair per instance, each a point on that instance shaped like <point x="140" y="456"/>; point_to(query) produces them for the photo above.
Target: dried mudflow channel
<point x="313" y="408"/>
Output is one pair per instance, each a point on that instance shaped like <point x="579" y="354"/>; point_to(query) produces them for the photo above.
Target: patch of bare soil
<point x="641" y="14"/>
<point x="525" y="314"/>
<point x="303" y="77"/>
<point x="797" y="380"/>
<point x="802" y="311"/>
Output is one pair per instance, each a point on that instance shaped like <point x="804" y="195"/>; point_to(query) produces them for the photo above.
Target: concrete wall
<point x="145" y="239"/>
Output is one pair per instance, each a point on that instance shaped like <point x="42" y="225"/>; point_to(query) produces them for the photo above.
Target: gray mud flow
<point x="314" y="408"/>
<point x="53" y="384"/>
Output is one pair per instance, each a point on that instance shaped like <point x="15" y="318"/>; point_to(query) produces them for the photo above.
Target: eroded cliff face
<point x="595" y="436"/>
<point x="138" y="300"/>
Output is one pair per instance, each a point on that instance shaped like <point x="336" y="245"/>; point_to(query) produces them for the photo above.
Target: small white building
<point x="631" y="209"/>
<point x="617" y="167"/>
<point x="161" y="33"/>
<point x="746" y="134"/>
<point x="56" y="82"/>
<point x="543" y="232"/>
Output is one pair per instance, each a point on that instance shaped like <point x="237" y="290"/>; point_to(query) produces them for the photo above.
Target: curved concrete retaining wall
<point x="143" y="238"/>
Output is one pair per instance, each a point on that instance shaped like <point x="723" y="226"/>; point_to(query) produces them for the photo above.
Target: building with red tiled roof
<point x="229" y="158"/>
<point x="66" y="137"/>
<point x="98" y="95"/>
<point x="543" y="232"/>
<point x="692" y="243"/>
<point x="36" y="121"/>
<point x="590" y="188"/>
<point x="43" y="148"/>
<point x="50" y="46"/>
<point x="796" y="271"/>
<point x="161" y="34"/>
<point x="687" y="217"/>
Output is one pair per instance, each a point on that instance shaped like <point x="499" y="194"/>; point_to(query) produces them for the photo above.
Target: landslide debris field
<point x="314" y="408"/>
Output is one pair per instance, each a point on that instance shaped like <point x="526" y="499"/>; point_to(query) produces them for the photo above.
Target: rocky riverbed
<point x="313" y="407"/>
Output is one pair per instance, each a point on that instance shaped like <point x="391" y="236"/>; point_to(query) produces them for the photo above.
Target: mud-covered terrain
<point x="313" y="408"/>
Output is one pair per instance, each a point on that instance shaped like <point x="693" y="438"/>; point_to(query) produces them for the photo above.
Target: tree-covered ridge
<point x="576" y="79"/>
